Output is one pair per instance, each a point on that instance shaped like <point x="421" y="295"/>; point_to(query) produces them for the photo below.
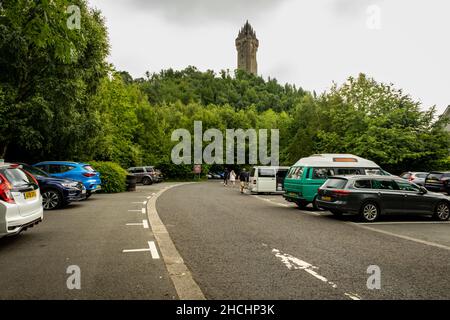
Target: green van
<point x="308" y="174"/>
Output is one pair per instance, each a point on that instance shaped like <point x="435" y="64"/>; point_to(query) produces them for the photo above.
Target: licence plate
<point x="326" y="198"/>
<point x="29" y="195"/>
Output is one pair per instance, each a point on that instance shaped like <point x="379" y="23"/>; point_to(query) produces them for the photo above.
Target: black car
<point x="371" y="196"/>
<point x="56" y="192"/>
<point x="438" y="182"/>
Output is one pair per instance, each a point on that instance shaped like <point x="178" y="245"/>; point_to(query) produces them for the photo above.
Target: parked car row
<point x="26" y="191"/>
<point x="345" y="183"/>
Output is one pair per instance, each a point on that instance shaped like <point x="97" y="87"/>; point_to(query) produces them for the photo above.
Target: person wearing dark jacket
<point x="226" y="176"/>
<point x="243" y="178"/>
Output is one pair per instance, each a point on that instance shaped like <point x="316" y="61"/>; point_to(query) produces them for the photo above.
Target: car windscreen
<point x="335" y="183"/>
<point x="17" y="177"/>
<point x="36" y="171"/>
<point x="421" y="175"/>
<point x="375" y="172"/>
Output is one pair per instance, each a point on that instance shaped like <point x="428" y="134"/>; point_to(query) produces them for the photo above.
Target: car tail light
<point x="5" y="190"/>
<point x="88" y="174"/>
<point x="341" y="192"/>
<point x="411" y="178"/>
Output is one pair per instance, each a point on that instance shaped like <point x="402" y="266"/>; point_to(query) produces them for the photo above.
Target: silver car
<point x="415" y="177"/>
<point x="20" y="200"/>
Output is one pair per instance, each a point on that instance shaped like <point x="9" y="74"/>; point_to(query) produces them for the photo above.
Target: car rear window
<point x="335" y="183"/>
<point x="421" y="175"/>
<point x="17" y="177"/>
<point x="149" y="169"/>
<point x="435" y="176"/>
<point x="88" y="168"/>
<point x="266" y="173"/>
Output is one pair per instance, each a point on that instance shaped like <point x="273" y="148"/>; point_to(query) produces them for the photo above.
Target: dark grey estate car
<point x="371" y="196"/>
<point x="145" y="175"/>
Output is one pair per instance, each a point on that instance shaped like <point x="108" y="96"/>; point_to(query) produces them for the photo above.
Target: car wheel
<point x="315" y="206"/>
<point x="51" y="199"/>
<point x="370" y="212"/>
<point x="147" y="181"/>
<point x="301" y="204"/>
<point x="442" y="212"/>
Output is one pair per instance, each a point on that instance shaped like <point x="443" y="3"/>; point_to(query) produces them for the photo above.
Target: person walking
<point x="226" y="175"/>
<point x="243" y="178"/>
<point x="233" y="177"/>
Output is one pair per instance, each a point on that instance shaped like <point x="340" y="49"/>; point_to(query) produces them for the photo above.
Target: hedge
<point x="113" y="176"/>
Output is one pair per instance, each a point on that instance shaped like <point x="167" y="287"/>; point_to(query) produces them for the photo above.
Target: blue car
<point x="82" y="172"/>
<point x="56" y="192"/>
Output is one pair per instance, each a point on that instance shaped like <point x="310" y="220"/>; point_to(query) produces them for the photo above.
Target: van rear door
<point x="267" y="180"/>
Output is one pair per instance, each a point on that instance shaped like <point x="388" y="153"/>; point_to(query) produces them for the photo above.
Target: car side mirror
<point x="423" y="190"/>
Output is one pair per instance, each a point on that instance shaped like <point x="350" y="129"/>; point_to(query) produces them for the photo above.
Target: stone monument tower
<point x="247" y="45"/>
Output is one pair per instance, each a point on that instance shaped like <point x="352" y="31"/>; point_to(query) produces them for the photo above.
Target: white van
<point x="267" y="179"/>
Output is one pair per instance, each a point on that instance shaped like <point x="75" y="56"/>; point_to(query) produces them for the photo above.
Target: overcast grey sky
<point x="308" y="43"/>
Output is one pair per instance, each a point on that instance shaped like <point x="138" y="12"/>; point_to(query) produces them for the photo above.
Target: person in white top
<point x="233" y="177"/>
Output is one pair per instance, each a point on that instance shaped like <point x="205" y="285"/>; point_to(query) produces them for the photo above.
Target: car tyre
<point x="301" y="204"/>
<point x="370" y="212"/>
<point x="316" y="206"/>
<point x="147" y="181"/>
<point x="51" y="199"/>
<point x="442" y="211"/>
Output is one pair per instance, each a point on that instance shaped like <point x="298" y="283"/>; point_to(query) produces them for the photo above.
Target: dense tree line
<point x="59" y="99"/>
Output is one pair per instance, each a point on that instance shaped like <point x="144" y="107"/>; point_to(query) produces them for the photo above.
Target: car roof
<point x="63" y="162"/>
<point x="328" y="160"/>
<point x="365" y="177"/>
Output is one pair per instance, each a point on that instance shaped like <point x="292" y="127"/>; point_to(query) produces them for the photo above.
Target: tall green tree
<point x="49" y="69"/>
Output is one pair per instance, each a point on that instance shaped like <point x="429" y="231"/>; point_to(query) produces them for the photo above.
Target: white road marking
<point x="153" y="250"/>
<point x="144" y="224"/>
<point x="135" y="250"/>
<point x="428" y="243"/>
<point x="143" y="210"/>
<point x="353" y="296"/>
<point x="268" y="200"/>
<point x="293" y="263"/>
<point x="141" y="202"/>
<point x="135" y="210"/>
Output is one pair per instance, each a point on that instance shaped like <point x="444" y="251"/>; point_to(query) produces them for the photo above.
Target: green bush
<point x="113" y="176"/>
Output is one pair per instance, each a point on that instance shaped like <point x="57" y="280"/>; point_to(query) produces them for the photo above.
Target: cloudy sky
<point x="308" y="43"/>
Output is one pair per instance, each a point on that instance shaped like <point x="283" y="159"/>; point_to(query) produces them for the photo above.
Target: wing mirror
<point x="423" y="190"/>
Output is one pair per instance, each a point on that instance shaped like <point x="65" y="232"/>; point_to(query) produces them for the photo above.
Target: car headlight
<point x="69" y="184"/>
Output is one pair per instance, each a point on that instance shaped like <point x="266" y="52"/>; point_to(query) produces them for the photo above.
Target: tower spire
<point x="247" y="46"/>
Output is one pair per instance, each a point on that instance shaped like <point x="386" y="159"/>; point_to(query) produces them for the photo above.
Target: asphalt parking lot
<point x="204" y="240"/>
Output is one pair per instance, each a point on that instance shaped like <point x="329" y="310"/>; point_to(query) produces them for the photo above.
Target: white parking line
<point x="145" y="224"/>
<point x="293" y="263"/>
<point x="153" y="250"/>
<point x="428" y="243"/>
<point x="143" y="210"/>
<point x="135" y="210"/>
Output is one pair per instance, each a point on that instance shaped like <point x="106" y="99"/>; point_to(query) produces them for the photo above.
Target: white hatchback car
<point x="20" y="200"/>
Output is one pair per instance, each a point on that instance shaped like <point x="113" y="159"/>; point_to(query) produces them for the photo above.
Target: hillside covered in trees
<point x="62" y="100"/>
